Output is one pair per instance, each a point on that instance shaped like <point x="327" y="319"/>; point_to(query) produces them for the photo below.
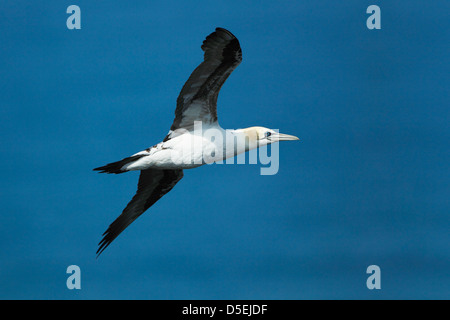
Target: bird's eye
<point x="268" y="134"/>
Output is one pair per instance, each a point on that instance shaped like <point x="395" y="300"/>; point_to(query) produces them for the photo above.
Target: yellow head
<point x="260" y="136"/>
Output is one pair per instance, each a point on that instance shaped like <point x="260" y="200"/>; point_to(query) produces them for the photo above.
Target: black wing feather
<point x="152" y="185"/>
<point x="199" y="94"/>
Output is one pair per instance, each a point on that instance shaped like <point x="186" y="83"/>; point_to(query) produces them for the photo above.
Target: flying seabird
<point x="188" y="143"/>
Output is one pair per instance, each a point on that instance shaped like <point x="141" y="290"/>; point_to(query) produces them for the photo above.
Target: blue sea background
<point x="368" y="184"/>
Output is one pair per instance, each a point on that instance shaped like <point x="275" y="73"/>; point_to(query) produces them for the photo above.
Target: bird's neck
<point x="245" y="139"/>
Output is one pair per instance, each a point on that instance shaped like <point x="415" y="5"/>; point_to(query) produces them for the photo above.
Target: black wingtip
<point x="101" y="249"/>
<point x="110" y="168"/>
<point x="116" y="167"/>
<point x="220" y="29"/>
<point x="102" y="245"/>
<point x="108" y="237"/>
<point x="222" y="41"/>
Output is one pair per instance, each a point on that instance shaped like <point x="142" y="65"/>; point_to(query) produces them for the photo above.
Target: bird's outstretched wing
<point x="153" y="184"/>
<point x="198" y="98"/>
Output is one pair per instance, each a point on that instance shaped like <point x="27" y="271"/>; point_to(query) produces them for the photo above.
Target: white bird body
<point x="195" y="137"/>
<point x="195" y="148"/>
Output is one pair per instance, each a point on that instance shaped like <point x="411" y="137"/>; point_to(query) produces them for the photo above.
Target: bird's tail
<point x="116" y="167"/>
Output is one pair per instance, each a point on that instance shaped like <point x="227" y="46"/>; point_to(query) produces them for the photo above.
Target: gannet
<point x="189" y="144"/>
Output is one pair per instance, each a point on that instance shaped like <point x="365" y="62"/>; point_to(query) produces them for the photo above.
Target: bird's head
<point x="264" y="136"/>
